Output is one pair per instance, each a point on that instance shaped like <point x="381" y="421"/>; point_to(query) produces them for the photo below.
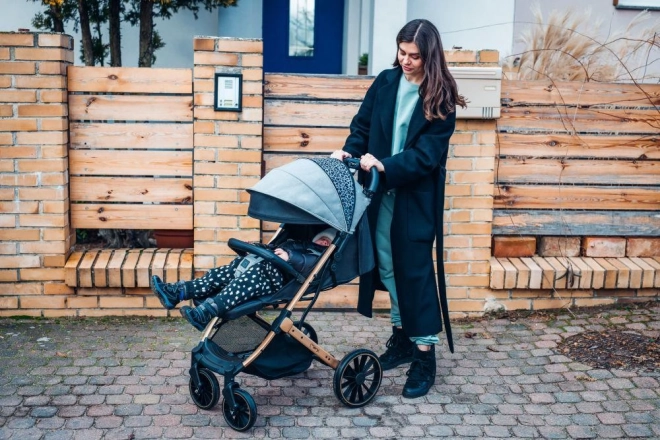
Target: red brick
<point x="14" y="39"/>
<point x="604" y="246"/>
<point x="643" y="247"/>
<point x="514" y="246"/>
<point x="559" y="246"/>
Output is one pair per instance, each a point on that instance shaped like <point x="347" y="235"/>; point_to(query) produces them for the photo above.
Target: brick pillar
<point x="228" y="148"/>
<point x="35" y="234"/>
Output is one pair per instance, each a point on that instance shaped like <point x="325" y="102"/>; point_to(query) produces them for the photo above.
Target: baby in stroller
<point x="246" y="277"/>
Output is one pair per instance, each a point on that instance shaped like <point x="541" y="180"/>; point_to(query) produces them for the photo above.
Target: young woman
<point x="403" y="128"/>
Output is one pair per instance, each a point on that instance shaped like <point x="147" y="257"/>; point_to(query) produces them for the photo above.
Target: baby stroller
<point x="305" y="196"/>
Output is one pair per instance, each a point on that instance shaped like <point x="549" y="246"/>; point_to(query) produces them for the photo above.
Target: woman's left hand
<point x="368" y="161"/>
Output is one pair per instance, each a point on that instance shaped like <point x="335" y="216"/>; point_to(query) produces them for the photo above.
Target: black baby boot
<point x="421" y="375"/>
<point x="169" y="294"/>
<point x="399" y="350"/>
<point x="200" y="316"/>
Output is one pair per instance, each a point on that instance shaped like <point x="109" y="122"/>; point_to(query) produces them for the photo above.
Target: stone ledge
<point x="574" y="273"/>
<point x="127" y="267"/>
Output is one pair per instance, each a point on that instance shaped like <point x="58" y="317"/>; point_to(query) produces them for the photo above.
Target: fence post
<point x="35" y="234"/>
<point x="227" y="148"/>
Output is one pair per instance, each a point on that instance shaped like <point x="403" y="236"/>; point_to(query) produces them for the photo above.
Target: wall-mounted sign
<point x="637" y="4"/>
<point x="228" y="92"/>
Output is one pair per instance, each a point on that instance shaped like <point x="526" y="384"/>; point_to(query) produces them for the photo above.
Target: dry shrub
<point x="567" y="48"/>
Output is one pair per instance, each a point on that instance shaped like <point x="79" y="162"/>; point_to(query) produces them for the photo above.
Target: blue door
<point x="303" y="36"/>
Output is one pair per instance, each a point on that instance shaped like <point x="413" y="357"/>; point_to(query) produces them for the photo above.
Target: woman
<point x="403" y="128"/>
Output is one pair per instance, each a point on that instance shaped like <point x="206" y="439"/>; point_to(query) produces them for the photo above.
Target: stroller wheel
<point x="308" y="330"/>
<point x="205" y="396"/>
<point x="357" y="378"/>
<point x="243" y="416"/>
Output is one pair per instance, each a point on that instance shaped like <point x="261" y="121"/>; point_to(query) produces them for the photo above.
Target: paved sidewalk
<point x="126" y="378"/>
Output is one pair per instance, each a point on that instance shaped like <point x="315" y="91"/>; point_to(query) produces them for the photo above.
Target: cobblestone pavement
<point x="127" y="378"/>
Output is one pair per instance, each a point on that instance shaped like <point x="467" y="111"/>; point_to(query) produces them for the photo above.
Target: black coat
<point x="418" y="176"/>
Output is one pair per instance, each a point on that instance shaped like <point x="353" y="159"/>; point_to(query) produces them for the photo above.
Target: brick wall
<point x="35" y="236"/>
<point x="228" y="155"/>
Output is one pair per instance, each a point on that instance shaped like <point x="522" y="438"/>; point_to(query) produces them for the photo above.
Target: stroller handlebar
<point x="369" y="191"/>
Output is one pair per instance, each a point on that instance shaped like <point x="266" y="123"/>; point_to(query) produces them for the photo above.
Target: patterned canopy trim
<point x="342" y="179"/>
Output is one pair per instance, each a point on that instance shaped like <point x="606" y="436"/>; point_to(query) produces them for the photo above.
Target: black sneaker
<point x="169" y="294"/>
<point x="421" y="375"/>
<point x="199" y="317"/>
<point x="399" y="350"/>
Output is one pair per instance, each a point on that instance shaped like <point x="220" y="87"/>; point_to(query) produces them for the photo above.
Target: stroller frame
<point x="357" y="375"/>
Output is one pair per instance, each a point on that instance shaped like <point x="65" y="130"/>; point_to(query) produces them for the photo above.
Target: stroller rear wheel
<point x="205" y="396"/>
<point x="357" y="378"/>
<point x="244" y="414"/>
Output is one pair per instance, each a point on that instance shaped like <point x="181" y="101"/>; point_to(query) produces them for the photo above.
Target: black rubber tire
<point x="208" y="393"/>
<point x="244" y="417"/>
<point x="357" y="378"/>
<point x="308" y="330"/>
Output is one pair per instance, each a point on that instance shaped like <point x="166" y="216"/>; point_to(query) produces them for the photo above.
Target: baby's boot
<point x="169" y="294"/>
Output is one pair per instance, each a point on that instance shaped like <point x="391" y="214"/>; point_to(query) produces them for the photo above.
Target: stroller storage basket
<point x="240" y="335"/>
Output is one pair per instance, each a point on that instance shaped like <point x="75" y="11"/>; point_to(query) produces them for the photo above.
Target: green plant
<point x="364" y="59"/>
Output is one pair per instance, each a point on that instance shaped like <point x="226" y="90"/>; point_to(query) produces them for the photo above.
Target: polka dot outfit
<point x="222" y="291"/>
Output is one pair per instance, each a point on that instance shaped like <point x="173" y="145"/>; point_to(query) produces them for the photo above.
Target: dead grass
<point x="568" y="48"/>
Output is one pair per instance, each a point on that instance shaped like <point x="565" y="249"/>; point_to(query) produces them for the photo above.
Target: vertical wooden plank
<point x="635" y="273"/>
<point x="611" y="273"/>
<point x="186" y="269"/>
<point x="496" y="274"/>
<point x="71" y="268"/>
<point x="623" y="280"/>
<point x="510" y="273"/>
<point x="548" y="272"/>
<point x="142" y="267"/>
<point x="535" y="273"/>
<point x="99" y="270"/>
<point x="114" y="267"/>
<point x="586" y="273"/>
<point x="128" y="268"/>
<point x="523" y="273"/>
<point x="85" y="268"/>
<point x="560" y="272"/>
<point x="598" y="280"/>
<point x="647" y="272"/>
<point x="172" y="266"/>
<point x="158" y="262"/>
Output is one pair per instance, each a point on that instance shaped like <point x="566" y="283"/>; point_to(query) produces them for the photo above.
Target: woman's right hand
<point x="340" y="154"/>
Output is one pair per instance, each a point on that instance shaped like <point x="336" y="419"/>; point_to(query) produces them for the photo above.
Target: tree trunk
<point x="146" y="33"/>
<point x="56" y="15"/>
<point x="115" y="33"/>
<point x="86" y="32"/>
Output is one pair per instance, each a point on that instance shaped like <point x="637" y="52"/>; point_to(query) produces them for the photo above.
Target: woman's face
<point x="411" y="61"/>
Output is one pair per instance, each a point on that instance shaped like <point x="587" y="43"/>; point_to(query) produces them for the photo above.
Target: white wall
<point x="469" y="24"/>
<point x="241" y="21"/>
<point x="177" y="33"/>
<point x="387" y="18"/>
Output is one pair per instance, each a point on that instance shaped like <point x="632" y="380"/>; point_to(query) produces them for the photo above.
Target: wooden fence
<point x="578" y="159"/>
<point x="131" y="150"/>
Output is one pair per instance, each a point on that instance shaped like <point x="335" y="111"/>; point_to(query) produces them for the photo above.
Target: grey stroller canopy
<point x="310" y="191"/>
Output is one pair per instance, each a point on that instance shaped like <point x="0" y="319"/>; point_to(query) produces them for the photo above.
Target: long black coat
<point x="418" y="176"/>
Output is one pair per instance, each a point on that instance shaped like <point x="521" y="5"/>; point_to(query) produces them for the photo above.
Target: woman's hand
<point x="340" y="154"/>
<point x="282" y="254"/>
<point x="368" y="161"/>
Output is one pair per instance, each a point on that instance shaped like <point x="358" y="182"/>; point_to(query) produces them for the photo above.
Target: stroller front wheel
<point x="207" y="394"/>
<point x="243" y="414"/>
<point x="357" y="378"/>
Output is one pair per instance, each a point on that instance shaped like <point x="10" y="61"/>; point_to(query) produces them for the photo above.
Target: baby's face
<point x="323" y="241"/>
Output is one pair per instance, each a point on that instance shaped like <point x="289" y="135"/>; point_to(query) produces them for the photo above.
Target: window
<point x="301" y="28"/>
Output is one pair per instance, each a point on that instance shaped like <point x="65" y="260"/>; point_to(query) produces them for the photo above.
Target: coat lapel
<point x="417" y="123"/>
<point x="387" y="100"/>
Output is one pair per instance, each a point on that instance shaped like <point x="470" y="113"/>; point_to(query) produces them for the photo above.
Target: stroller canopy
<point x="310" y="191"/>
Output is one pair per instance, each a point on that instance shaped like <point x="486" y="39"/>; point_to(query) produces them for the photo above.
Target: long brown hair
<point x="438" y="88"/>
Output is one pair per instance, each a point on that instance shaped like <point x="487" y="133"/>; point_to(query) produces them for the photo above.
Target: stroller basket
<point x="238" y="336"/>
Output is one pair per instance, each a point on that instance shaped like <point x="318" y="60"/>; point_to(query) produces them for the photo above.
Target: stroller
<point x="305" y="196"/>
